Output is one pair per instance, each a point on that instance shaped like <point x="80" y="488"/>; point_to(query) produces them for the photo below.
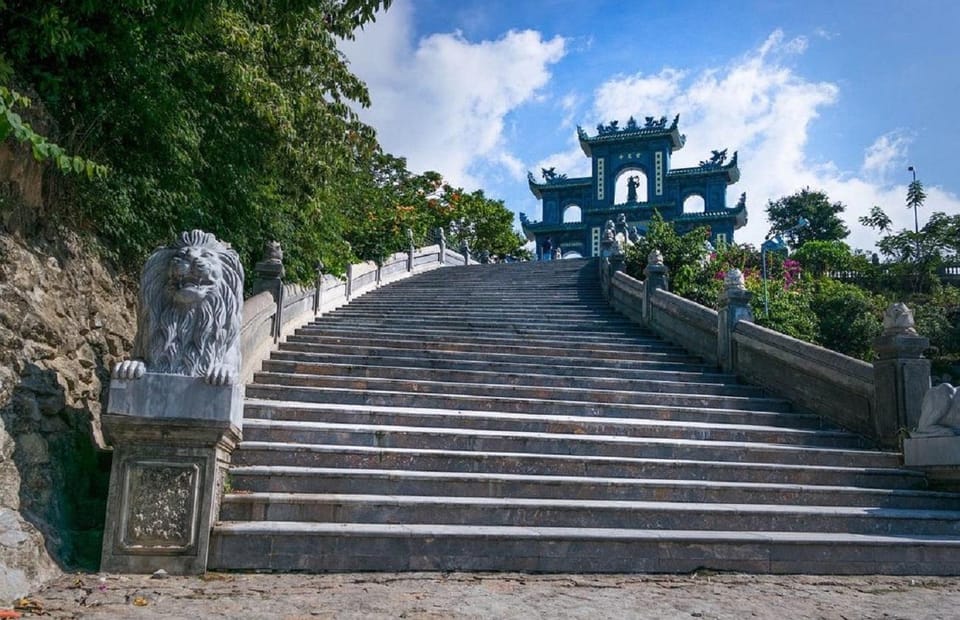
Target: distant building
<point x="632" y="176"/>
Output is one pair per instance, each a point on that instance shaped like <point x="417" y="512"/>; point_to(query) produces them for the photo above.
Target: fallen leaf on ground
<point x="28" y="604"/>
<point x="140" y="601"/>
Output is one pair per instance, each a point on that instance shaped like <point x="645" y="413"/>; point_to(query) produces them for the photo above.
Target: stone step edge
<point x="573" y="533"/>
<point x="441" y="476"/>
<point x="438" y="388"/>
<point x="615" y="344"/>
<point x="385" y="348"/>
<point x="691" y="364"/>
<point x="633" y="407"/>
<point x="447" y="415"/>
<point x="341" y="359"/>
<point x="573" y="438"/>
<point x="495" y="373"/>
<point x="716" y="508"/>
<point x="274" y="446"/>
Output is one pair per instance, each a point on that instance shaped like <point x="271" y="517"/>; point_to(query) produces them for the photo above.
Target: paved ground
<point x="461" y="595"/>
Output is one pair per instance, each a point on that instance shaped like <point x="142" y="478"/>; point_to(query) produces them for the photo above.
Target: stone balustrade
<point x="880" y="401"/>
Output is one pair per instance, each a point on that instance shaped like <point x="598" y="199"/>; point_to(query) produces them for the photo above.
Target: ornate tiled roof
<point x="556" y="183"/>
<point x="738" y="212"/>
<point x="730" y="169"/>
<point x="631" y="131"/>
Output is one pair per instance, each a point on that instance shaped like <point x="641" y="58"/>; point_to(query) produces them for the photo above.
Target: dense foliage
<point x="234" y="117"/>
<point x="824" y="292"/>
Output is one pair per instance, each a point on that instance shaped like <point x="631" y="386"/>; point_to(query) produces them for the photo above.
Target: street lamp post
<point x="776" y="244"/>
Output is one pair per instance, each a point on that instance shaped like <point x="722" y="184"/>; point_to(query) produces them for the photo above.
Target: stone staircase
<point x="502" y="417"/>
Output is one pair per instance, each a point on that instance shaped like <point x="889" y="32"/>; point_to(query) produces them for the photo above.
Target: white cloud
<point x="441" y="101"/>
<point x="885" y="155"/>
<point x="757" y="104"/>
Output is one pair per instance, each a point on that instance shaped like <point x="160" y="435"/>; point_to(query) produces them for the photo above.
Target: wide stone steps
<point x="305" y="546"/>
<point x="537" y="512"/>
<point x="432" y="460"/>
<point x="537" y="369"/>
<point x="441" y="353"/>
<point x="505" y="346"/>
<point x="304" y="434"/>
<point x="509" y="336"/>
<point x="524" y="391"/>
<point x="501" y="417"/>
<point x="530" y="408"/>
<point x="437" y="339"/>
<point x="261" y="414"/>
<point x="535" y="376"/>
<point x="267" y="479"/>
<point x="533" y="405"/>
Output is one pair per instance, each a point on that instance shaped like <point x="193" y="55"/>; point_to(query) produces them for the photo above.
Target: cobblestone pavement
<point x="485" y="595"/>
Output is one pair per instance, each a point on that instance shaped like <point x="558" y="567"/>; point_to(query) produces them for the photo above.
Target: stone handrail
<point x="263" y="326"/>
<point x="813" y="378"/>
<point x="878" y="401"/>
<point x="686" y="323"/>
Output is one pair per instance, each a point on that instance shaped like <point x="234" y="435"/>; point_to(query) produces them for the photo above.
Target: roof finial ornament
<point x="716" y="159"/>
<point x="550" y="175"/>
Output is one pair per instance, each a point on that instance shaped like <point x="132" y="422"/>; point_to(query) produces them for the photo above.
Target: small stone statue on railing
<point x="269" y="270"/>
<point x="655" y="272"/>
<point x="609" y="246"/>
<point x="191" y="295"/>
<point x="441" y="239"/>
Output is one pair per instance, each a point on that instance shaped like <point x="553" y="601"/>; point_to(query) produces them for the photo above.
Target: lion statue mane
<point x="191" y="295"/>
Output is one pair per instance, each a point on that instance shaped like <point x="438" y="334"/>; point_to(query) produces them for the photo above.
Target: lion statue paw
<point x="129" y="369"/>
<point x="221" y="375"/>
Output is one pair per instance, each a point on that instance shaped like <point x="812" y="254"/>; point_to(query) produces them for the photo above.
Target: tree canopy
<point x="234" y="117"/>
<point x="823" y="217"/>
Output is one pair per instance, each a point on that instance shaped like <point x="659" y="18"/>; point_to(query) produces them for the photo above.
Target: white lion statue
<point x="191" y="294"/>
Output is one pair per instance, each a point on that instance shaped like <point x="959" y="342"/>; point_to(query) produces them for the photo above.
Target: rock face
<point x="65" y="319"/>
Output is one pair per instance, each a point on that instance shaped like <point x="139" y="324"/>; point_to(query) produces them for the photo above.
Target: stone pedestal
<point x="901" y="378"/>
<point x="938" y="457"/>
<point x="617" y="263"/>
<point x="172" y="437"/>
<point x="734" y="306"/>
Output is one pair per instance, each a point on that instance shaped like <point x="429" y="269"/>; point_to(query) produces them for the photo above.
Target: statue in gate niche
<point x="632" y="183"/>
<point x="191" y="295"/>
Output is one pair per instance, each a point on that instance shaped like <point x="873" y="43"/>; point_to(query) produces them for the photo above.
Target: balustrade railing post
<point x="734" y="307"/>
<point x="901" y="374"/>
<point x="656" y="278"/>
<point x="410" y="250"/>
<point x="442" y="242"/>
<point x="269" y="274"/>
<point x="349" y="288"/>
<point x="318" y="293"/>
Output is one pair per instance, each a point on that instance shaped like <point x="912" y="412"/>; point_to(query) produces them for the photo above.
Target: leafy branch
<point x="11" y="123"/>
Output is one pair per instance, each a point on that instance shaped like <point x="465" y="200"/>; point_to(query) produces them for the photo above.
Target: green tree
<point x="823" y="217"/>
<point x="819" y="257"/>
<point x="684" y="255"/>
<point x="233" y="117"/>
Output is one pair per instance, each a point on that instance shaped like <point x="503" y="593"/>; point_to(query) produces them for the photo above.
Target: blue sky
<point x="840" y="96"/>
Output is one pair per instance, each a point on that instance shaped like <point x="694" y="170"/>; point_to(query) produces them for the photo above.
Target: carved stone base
<point x="172" y="437"/>
<point x="165" y="488"/>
